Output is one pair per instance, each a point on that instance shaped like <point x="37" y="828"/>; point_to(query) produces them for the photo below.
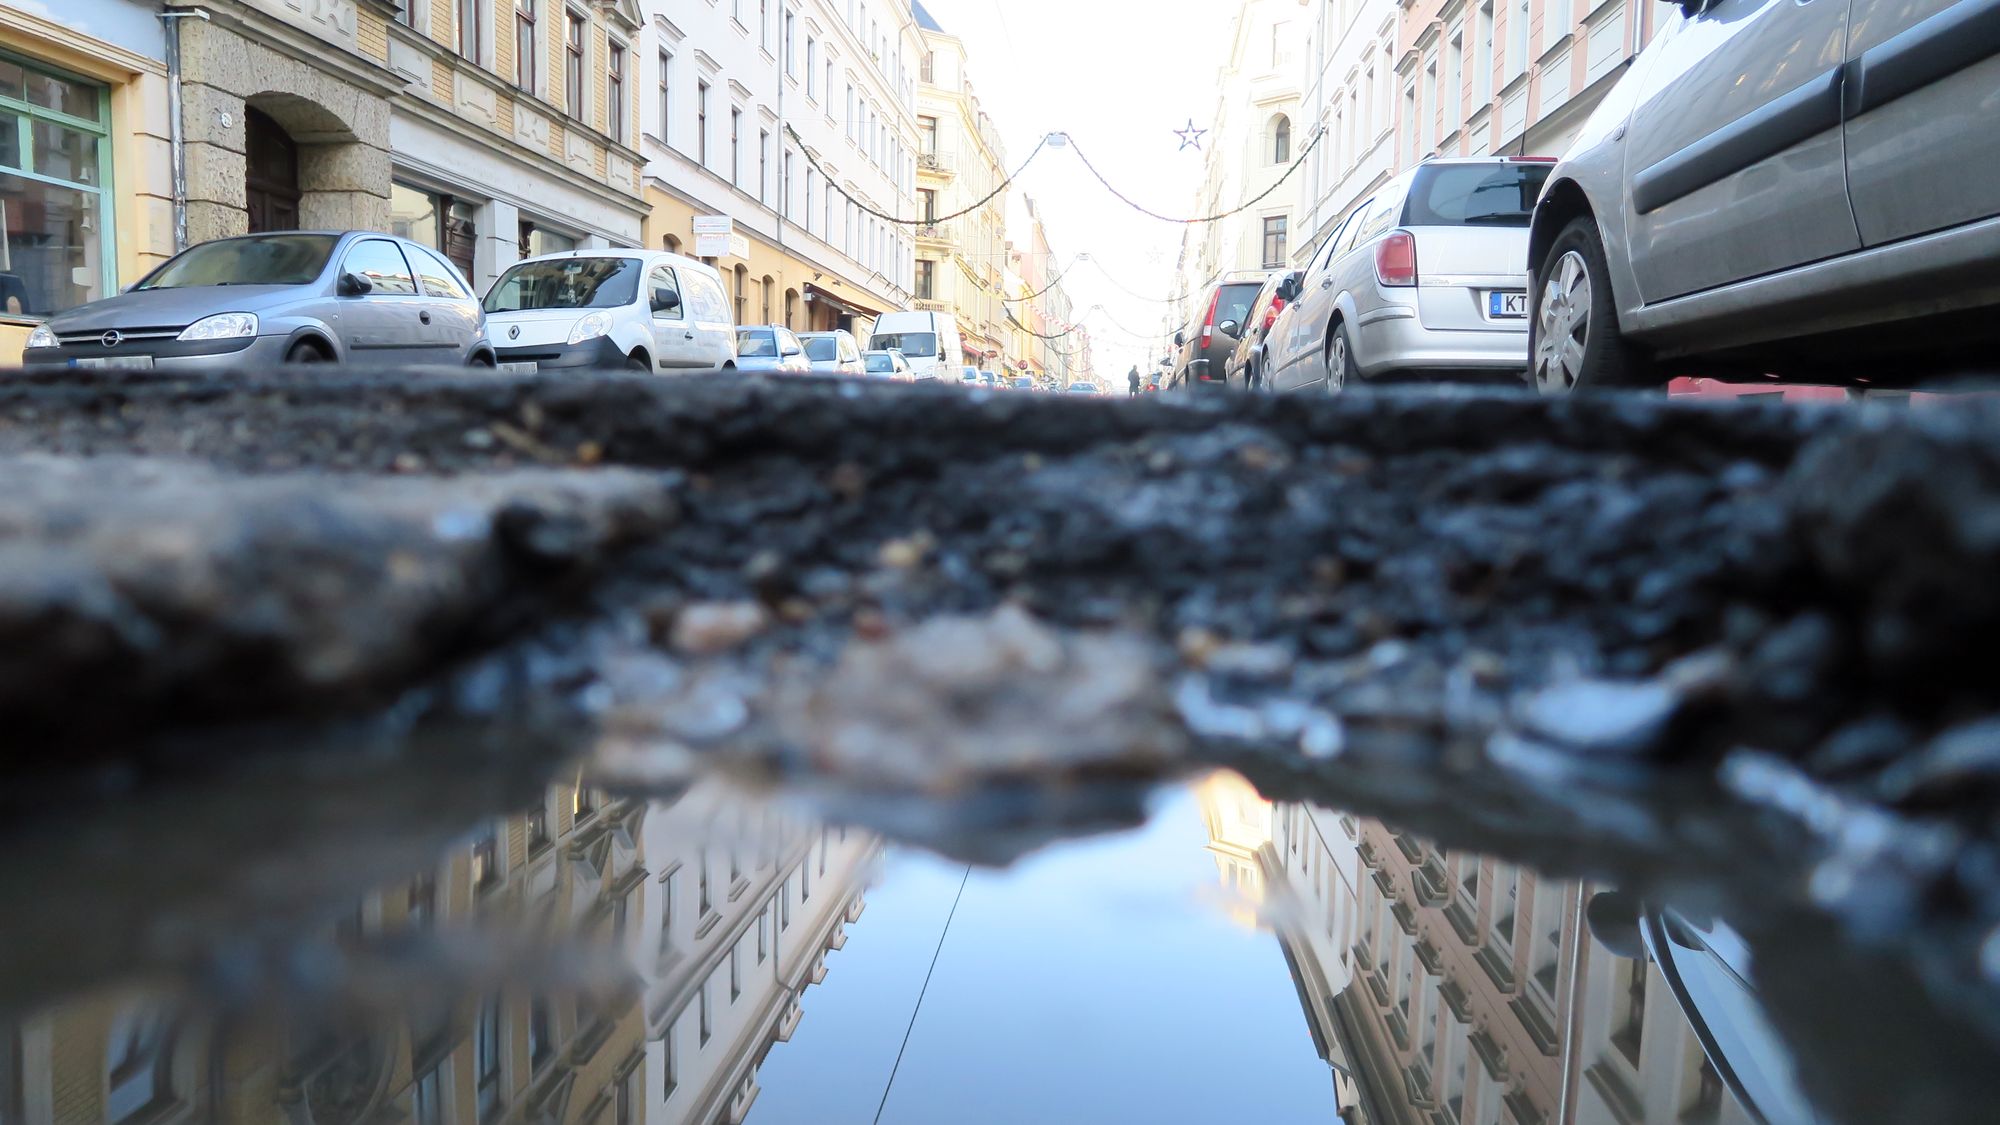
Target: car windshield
<point x="909" y="343"/>
<point x="822" y="348"/>
<point x="566" y="283"/>
<point x="881" y="363"/>
<point x="1233" y="302"/>
<point x="272" y="259"/>
<point x="755" y="343"/>
<point x="1453" y="195"/>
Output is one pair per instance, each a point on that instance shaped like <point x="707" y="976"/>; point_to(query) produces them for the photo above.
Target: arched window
<point x="1281" y="139"/>
<point x="670" y="244"/>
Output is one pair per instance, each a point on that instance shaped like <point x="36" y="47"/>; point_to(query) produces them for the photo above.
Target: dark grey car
<point x="264" y="299"/>
<point x="1203" y="349"/>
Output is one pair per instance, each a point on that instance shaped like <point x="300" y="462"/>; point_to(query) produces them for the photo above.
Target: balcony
<point x="934" y="232"/>
<point x="928" y="305"/>
<point x="934" y="162"/>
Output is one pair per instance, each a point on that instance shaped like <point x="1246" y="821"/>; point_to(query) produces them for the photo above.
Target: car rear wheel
<point x="637" y="361"/>
<point x="305" y="351"/>
<point x="1574" y="343"/>
<point x="1339" y="359"/>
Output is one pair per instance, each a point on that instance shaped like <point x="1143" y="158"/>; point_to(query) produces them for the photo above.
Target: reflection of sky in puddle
<point x="1100" y="981"/>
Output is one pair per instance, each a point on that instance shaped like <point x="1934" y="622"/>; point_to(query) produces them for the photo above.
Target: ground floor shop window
<point x="536" y="241"/>
<point x="55" y="219"/>
<point x="437" y="220"/>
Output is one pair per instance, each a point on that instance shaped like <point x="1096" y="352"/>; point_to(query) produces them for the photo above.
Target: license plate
<point x="1507" y="303"/>
<point x="522" y="367"/>
<point x="120" y="362"/>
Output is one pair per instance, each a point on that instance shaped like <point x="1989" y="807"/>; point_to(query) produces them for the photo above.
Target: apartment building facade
<point x="1045" y="313"/>
<point x="693" y="957"/>
<point x="789" y="127"/>
<point x="1509" y="76"/>
<point x="488" y="129"/>
<point x="961" y="258"/>
<point x="1349" y="71"/>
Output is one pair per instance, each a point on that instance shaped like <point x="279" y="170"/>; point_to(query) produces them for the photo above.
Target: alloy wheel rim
<point x="1336" y="363"/>
<point x="1562" y="326"/>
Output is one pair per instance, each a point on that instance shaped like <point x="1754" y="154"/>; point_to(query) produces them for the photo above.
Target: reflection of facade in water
<point x="726" y="917"/>
<point x="1457" y="989"/>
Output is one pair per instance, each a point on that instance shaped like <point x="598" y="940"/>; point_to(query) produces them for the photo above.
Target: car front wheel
<point x="1574" y="341"/>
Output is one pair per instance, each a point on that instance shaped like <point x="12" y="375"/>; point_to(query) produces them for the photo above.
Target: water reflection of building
<point x="1462" y="989"/>
<point x="725" y="917"/>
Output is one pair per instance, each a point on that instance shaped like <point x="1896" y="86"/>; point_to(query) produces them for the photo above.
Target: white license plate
<point x="123" y="362"/>
<point x="523" y="367"/>
<point x="1507" y="303"/>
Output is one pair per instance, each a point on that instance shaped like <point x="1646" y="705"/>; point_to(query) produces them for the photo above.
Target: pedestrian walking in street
<point x="1133" y="378"/>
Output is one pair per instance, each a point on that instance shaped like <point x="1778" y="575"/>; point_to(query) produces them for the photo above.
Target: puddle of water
<point x="713" y="957"/>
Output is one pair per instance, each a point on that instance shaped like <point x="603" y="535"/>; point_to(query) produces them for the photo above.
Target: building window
<point x="791" y="61"/>
<point x="409" y="17"/>
<point x="701" y="123"/>
<point x="55" y="218"/>
<point x="706" y="1025"/>
<point x="670" y="1078"/>
<point x="735" y="972"/>
<point x="1517" y="39"/>
<point x="742" y="275"/>
<point x="764" y="915"/>
<point x="666" y="95"/>
<point x="541" y="1032"/>
<point x="427" y="1102"/>
<point x="927" y="135"/>
<point x="525" y="15"/>
<point x="1429" y="124"/>
<point x="763" y="166"/>
<point x="785" y="188"/>
<point x="1482" y="55"/>
<point x="470" y="33"/>
<point x="1281" y="139"/>
<point x="764" y="24"/>
<point x="486" y="849"/>
<point x="927" y="67"/>
<point x="1275" y="249"/>
<point x="486" y="1058"/>
<point x="614" y="92"/>
<point x="573" y="64"/>
<point x="736" y="147"/>
<point x="927" y="204"/>
<point x="704" y="903"/>
<point x="138" y="1063"/>
<point x="812" y="68"/>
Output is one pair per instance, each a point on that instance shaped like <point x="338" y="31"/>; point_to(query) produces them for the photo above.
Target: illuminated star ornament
<point x="1190" y="136"/>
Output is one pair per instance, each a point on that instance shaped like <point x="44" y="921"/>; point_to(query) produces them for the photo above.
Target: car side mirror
<point x="665" y="300"/>
<point x="1690" y="8"/>
<point x="1180" y="338"/>
<point x="1229" y="328"/>
<point x="1613" y="919"/>
<point x="354" y="285"/>
<point x="1288" y="289"/>
<point x="789" y="352"/>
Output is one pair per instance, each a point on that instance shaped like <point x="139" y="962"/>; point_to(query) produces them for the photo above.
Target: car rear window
<point x="881" y="363"/>
<point x="755" y="343"/>
<point x="1235" y="299"/>
<point x="822" y="348"/>
<point x="909" y="343"/>
<point x="1462" y="195"/>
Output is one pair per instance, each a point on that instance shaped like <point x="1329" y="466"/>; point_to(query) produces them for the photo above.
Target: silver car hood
<point x="174" y="308"/>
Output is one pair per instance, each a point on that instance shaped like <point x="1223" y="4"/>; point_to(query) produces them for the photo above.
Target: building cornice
<point x="296" y="42"/>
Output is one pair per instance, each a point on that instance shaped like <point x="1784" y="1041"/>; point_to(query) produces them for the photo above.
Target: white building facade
<point x="1349" y="71"/>
<point x="795" y="120"/>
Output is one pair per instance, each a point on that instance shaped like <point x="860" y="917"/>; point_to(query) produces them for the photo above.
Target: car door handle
<point x="424" y="316"/>
<point x="687" y="336"/>
<point x="1326" y="283"/>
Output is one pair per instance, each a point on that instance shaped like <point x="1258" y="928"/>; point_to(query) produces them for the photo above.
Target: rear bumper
<point x="1393" y="339"/>
<point x="600" y="352"/>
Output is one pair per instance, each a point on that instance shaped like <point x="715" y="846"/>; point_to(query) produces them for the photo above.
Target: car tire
<point x="637" y="361"/>
<point x="480" y="360"/>
<point x="1574" y="341"/>
<point x="305" y="351"/>
<point x="1339" y="359"/>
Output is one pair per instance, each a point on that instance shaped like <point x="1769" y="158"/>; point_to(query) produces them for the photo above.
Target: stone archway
<point x="264" y="126"/>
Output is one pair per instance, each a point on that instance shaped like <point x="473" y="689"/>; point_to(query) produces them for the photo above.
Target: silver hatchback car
<point x="265" y="299"/>
<point x="1800" y="189"/>
<point x="1424" y="277"/>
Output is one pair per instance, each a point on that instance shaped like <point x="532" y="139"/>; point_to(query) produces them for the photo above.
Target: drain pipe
<point x="176" y="132"/>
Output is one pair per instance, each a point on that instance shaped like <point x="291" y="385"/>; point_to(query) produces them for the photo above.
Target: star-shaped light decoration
<point x="1190" y="136"/>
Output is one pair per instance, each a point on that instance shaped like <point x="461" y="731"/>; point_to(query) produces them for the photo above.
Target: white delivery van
<point x="644" y="310"/>
<point x="928" y="340"/>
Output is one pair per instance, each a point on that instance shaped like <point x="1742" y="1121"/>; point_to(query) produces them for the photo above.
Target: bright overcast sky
<point x="1119" y="76"/>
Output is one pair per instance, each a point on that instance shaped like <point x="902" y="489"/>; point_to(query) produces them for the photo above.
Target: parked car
<point x="1840" y="210"/>
<point x="643" y="310"/>
<point x="1084" y="389"/>
<point x="773" y="348"/>
<point x="1023" y="382"/>
<point x="968" y="374"/>
<point x="833" y="353"/>
<point x="1360" y="311"/>
<point x="887" y="365"/>
<point x="1203" y="351"/>
<point x="928" y="340"/>
<point x="264" y="299"/>
<point x="1251" y="359"/>
<point x="989" y="379"/>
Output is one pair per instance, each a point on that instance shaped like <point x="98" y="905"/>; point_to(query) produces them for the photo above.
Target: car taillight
<point x="1271" y="314"/>
<point x="1396" y="259"/>
<point x="1208" y="324"/>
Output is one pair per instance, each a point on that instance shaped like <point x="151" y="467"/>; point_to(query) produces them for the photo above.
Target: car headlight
<point x="590" y="328"/>
<point x="221" y="326"/>
<point x="41" y="337"/>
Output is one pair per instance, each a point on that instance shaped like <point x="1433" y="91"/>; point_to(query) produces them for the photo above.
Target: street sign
<point x="714" y="224"/>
